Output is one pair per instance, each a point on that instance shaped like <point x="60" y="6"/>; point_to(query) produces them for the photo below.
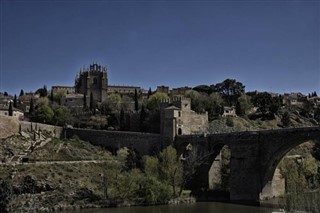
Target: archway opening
<point x="295" y="184"/>
<point x="219" y="173"/>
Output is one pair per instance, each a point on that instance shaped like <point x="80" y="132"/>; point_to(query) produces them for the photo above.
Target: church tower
<point x="93" y="79"/>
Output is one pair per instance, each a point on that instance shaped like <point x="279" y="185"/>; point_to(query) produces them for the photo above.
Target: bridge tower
<point x="177" y="118"/>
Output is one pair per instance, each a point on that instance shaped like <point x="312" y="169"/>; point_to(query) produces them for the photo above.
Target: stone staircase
<point x="38" y="140"/>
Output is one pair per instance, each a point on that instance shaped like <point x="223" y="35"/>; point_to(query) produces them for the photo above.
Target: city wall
<point x="57" y="131"/>
<point x="143" y="143"/>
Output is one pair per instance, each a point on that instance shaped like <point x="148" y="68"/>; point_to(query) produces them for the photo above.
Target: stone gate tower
<point x="177" y="118"/>
<point x="93" y="80"/>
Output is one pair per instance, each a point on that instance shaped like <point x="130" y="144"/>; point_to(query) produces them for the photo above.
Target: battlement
<point x="181" y="102"/>
<point x="94" y="68"/>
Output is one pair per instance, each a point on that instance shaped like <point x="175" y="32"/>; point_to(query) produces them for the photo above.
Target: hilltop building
<point x="177" y="118"/>
<point x="92" y="80"/>
<point x="73" y="100"/>
<point x="174" y="92"/>
<point x="229" y="111"/>
<point x="124" y="89"/>
<point x="63" y="89"/>
<point x="4" y="111"/>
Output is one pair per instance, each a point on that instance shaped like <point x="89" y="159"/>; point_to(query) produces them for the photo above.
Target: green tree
<point x="154" y="191"/>
<point x="91" y="102"/>
<point x="43" y="113"/>
<point x="10" y="110"/>
<point x="136" y="103"/>
<point x="230" y="89"/>
<point x="84" y="101"/>
<point x="151" y="166"/>
<point x="51" y="96"/>
<point x="155" y="100"/>
<point x="21" y="93"/>
<point x="202" y="88"/>
<point x="309" y="169"/>
<point x="122" y="120"/>
<point x="262" y="101"/>
<point x="143" y="116"/>
<point x="214" y="106"/>
<point x="243" y="105"/>
<point x="295" y="185"/>
<point x="15" y="105"/>
<point x="97" y="122"/>
<point x="199" y="101"/>
<point x="31" y="109"/>
<point x="171" y="169"/>
<point x="133" y="160"/>
<point x="62" y="115"/>
<point x="43" y="92"/>
<point x="112" y="103"/>
<point x="316" y="151"/>
<point x="149" y="92"/>
<point x="285" y="119"/>
<point x="5" y="196"/>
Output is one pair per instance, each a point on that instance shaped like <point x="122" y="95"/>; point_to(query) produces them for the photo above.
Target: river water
<point x="205" y="207"/>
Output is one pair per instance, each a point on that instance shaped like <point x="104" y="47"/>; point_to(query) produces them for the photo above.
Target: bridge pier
<point x="245" y="183"/>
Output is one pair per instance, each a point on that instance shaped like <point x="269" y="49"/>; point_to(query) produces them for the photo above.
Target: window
<point x="179" y="114"/>
<point x="179" y="131"/>
<point x="95" y="81"/>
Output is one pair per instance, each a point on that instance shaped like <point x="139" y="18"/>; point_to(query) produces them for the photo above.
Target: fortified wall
<point x="142" y="143"/>
<point x="57" y="131"/>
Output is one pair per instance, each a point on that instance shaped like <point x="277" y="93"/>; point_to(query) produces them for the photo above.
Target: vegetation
<point x="10" y="111"/>
<point x="302" y="184"/>
<point x="5" y="195"/>
<point x="155" y="99"/>
<point x="96" y="178"/>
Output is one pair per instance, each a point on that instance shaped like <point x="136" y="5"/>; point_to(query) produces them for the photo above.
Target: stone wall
<point x="143" y="143"/>
<point x="56" y="131"/>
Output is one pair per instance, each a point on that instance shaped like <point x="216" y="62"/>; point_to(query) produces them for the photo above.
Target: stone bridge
<point x="254" y="156"/>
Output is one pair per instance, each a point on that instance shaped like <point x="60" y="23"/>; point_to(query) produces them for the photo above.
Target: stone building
<point x="163" y="89"/>
<point x="62" y="90"/>
<point x="124" y="89"/>
<point x="93" y="80"/>
<point x="73" y="100"/>
<point x="177" y="118"/>
<point x="4" y="111"/>
<point x="229" y="112"/>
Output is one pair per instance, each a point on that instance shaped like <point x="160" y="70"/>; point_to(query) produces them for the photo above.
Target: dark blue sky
<point x="267" y="45"/>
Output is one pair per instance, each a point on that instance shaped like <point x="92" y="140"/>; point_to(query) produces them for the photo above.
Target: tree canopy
<point x="155" y="100"/>
<point x="230" y="89"/>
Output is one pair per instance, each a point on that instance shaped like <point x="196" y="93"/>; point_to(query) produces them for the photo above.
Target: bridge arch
<point x="206" y="158"/>
<point x="254" y="157"/>
<point x="270" y="167"/>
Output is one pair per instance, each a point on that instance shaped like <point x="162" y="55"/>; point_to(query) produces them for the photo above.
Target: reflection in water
<point x="193" y="208"/>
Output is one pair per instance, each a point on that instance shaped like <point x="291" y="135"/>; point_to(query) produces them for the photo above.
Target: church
<point x="92" y="80"/>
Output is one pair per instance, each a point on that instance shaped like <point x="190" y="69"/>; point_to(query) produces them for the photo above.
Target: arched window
<point x="179" y="131"/>
<point x="95" y="81"/>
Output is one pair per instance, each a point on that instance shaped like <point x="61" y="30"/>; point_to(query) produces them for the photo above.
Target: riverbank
<point x="73" y="174"/>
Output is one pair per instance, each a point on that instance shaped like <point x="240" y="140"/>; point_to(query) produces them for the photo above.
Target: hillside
<point x="233" y="124"/>
<point x="61" y="174"/>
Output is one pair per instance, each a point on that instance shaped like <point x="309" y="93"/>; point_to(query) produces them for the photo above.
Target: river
<point x="204" y="207"/>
